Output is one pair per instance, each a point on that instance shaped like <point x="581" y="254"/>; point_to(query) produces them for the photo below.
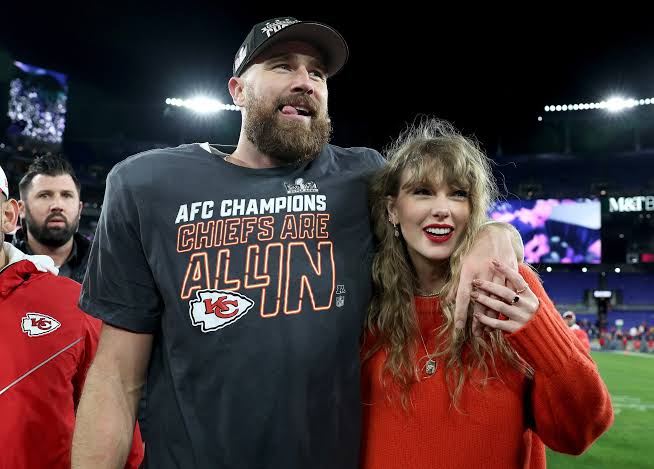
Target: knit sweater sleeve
<point x="569" y="403"/>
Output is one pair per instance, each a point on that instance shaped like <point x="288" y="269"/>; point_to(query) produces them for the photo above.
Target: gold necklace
<point x="422" y="292"/>
<point x="431" y="365"/>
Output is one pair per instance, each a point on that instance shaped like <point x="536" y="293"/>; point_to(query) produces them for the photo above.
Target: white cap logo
<point x="277" y="25"/>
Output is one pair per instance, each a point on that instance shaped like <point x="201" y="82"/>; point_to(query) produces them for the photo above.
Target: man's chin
<point x="56" y="238"/>
<point x="56" y="232"/>
<point x="294" y="120"/>
<point x="58" y="243"/>
<point x="292" y="126"/>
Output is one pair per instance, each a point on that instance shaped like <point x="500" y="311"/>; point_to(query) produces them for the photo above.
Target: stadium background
<point x="115" y="80"/>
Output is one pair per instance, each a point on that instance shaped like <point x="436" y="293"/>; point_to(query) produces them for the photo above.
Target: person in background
<point x="50" y="210"/>
<point x="571" y="321"/>
<point x="46" y="347"/>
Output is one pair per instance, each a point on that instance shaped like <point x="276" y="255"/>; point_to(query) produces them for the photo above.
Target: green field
<point x="629" y="443"/>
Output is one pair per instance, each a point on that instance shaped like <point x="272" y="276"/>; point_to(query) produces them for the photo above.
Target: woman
<point x="435" y="398"/>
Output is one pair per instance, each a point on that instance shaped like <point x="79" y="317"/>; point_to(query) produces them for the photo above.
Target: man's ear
<point x="9" y="215"/>
<point x="236" y="87"/>
<point x="21" y="209"/>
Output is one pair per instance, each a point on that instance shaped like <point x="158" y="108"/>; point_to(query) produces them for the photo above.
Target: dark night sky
<point x="487" y="70"/>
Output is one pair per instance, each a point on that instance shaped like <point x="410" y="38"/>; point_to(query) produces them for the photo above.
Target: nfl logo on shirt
<point x="37" y="324"/>
<point x="215" y="309"/>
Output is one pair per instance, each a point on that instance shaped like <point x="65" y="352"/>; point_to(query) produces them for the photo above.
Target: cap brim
<point x="326" y="39"/>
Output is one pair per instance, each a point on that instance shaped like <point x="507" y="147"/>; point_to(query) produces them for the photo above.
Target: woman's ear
<point x="390" y="208"/>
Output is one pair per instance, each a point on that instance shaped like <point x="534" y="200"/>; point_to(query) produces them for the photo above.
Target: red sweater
<point x="504" y="423"/>
<point x="46" y="346"/>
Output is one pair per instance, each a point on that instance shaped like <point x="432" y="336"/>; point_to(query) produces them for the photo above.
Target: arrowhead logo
<point x="215" y="309"/>
<point x="37" y="324"/>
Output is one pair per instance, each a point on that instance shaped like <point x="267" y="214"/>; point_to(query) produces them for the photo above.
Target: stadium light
<point x="613" y="104"/>
<point x="617" y="270"/>
<point x="617" y="104"/>
<point x="584" y="269"/>
<point x="201" y="105"/>
<point x="549" y="269"/>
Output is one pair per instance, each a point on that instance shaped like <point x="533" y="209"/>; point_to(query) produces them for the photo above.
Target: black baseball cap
<point x="263" y="35"/>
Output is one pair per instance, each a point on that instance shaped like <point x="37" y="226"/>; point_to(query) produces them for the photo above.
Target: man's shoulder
<point x="54" y="291"/>
<point x="363" y="157"/>
<point x="57" y="298"/>
<point x="63" y="285"/>
<point x="363" y="153"/>
<point x="155" y="159"/>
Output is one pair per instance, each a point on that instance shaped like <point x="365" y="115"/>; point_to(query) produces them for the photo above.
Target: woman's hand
<point x="494" y="241"/>
<point x="516" y="301"/>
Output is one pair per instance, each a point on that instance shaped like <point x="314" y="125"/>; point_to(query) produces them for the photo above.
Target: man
<point x="50" y="212"/>
<point x="570" y="320"/>
<point x="240" y="281"/>
<point x="46" y="346"/>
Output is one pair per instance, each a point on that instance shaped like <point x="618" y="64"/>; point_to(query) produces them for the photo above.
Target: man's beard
<point x="51" y="237"/>
<point x="286" y="140"/>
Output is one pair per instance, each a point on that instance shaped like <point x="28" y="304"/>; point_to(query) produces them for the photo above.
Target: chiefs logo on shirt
<point x="215" y="309"/>
<point x="37" y="324"/>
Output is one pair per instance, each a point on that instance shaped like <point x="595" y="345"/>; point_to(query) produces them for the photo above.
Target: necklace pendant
<point x="430" y="367"/>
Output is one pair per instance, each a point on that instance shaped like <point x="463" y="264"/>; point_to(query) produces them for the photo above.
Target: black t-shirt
<point x="255" y="284"/>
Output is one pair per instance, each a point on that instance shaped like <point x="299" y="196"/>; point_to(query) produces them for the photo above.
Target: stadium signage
<point x="639" y="203"/>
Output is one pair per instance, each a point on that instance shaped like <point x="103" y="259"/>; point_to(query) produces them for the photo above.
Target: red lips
<point x="438" y="238"/>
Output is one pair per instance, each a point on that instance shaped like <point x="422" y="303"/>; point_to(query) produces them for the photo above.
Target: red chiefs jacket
<point x="46" y="347"/>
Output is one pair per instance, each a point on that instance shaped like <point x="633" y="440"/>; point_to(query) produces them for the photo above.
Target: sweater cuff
<point x="545" y="342"/>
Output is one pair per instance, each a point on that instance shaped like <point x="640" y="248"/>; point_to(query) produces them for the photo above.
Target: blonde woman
<point x="438" y="397"/>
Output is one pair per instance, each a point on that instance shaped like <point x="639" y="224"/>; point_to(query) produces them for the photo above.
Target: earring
<point x="396" y="232"/>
